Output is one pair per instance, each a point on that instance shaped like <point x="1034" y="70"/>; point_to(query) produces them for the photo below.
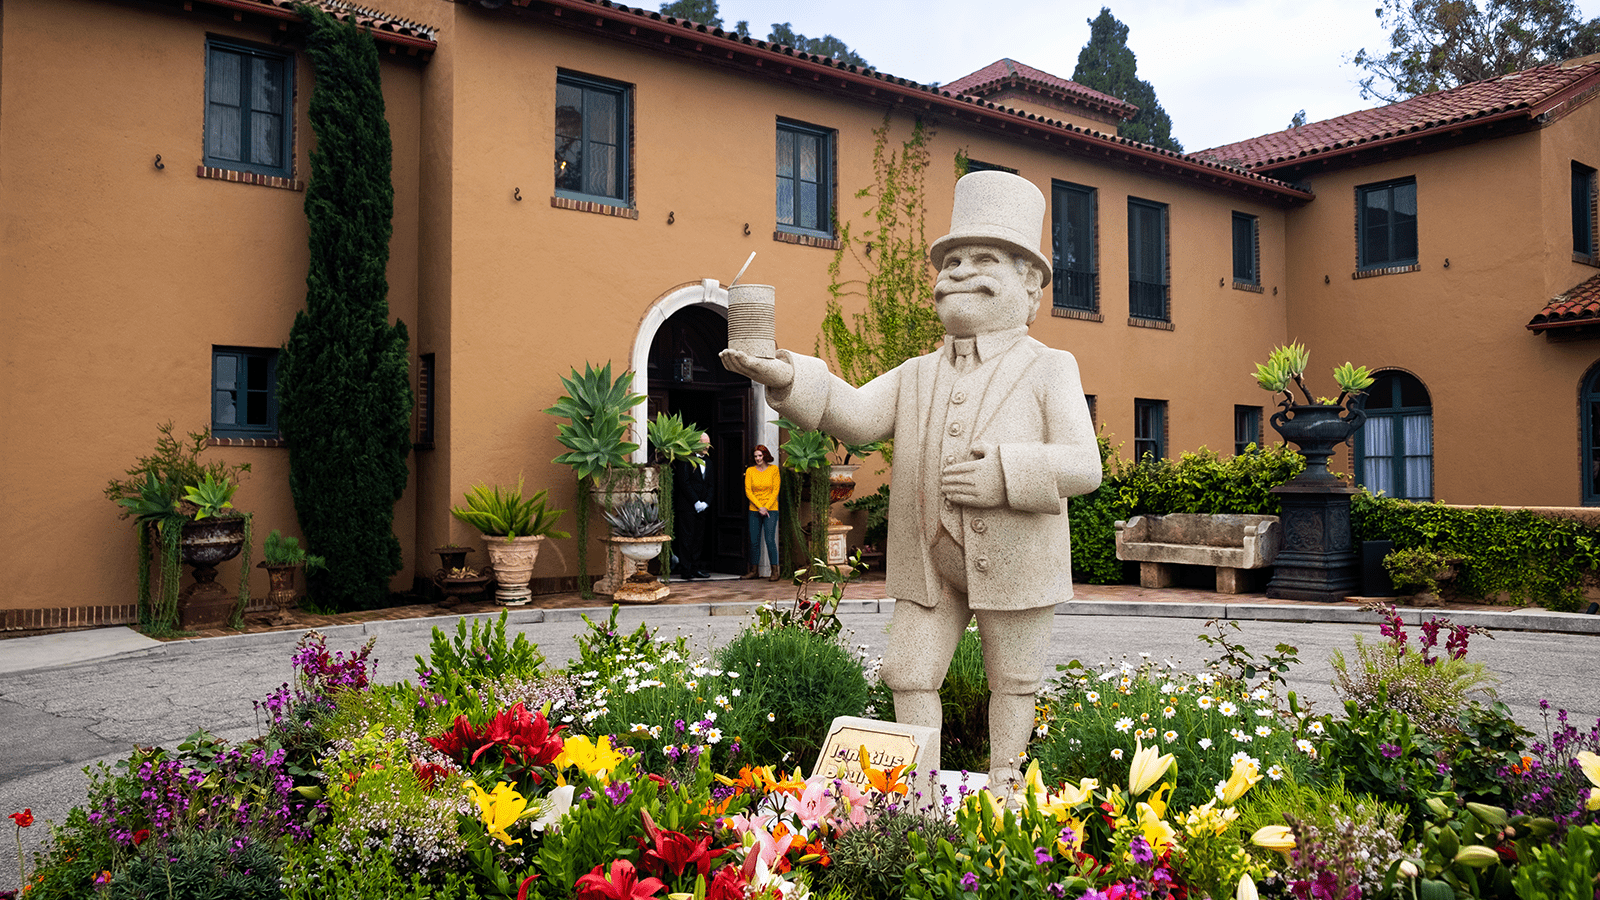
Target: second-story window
<point x="1147" y="260"/>
<point x="1072" y="234"/>
<point x="1246" y="255"/>
<point x="1386" y="224"/>
<point x="592" y="139"/>
<point x="805" y="179"/>
<point x="1583" y="232"/>
<point x="249" y="121"/>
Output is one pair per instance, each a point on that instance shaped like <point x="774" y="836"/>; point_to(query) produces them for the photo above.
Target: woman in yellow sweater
<point x="761" y="487"/>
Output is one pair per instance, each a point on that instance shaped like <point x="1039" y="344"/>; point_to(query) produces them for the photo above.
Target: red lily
<point x="522" y="892"/>
<point x="24" y="818"/>
<point x="676" y="851"/>
<point x="729" y="884"/>
<point x="624" y="884"/>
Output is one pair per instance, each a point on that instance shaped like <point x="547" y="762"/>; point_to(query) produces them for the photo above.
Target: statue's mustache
<point x="977" y="284"/>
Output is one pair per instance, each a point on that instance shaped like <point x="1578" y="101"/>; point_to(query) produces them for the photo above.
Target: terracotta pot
<point x="513" y="566"/>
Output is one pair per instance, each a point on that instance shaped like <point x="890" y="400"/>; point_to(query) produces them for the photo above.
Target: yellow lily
<point x="1274" y="837"/>
<point x="1147" y="767"/>
<point x="500" y="809"/>
<point x="594" y="758"/>
<point x="1157" y="832"/>
<point x="1206" y="818"/>
<point x="1244" y="776"/>
<point x="1590" y="764"/>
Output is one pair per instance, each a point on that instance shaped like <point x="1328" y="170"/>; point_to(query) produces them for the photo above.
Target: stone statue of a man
<point x="992" y="434"/>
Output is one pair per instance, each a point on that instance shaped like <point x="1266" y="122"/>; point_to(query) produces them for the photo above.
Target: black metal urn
<point x="1319" y="561"/>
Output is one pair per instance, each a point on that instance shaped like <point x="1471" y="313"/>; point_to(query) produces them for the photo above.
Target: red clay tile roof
<point x="1579" y="306"/>
<point x="1528" y="94"/>
<point x="384" y="27"/>
<point x="1005" y="72"/>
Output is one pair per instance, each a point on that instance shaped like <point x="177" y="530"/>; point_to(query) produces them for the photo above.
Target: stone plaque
<point x="888" y="744"/>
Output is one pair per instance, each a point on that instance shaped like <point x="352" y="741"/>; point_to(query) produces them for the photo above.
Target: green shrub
<point x="200" y="866"/>
<point x="869" y="861"/>
<point x="1567" y="872"/>
<point x="1484" y="744"/>
<point x="1096" y="717"/>
<point x="476" y="657"/>
<point x="322" y="869"/>
<point x="1430" y="692"/>
<point x="804" y="680"/>
<point x="1535" y="559"/>
<point x="1378" y="751"/>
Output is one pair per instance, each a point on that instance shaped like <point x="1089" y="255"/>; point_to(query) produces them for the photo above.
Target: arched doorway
<point x="1394" y="450"/>
<point x="684" y="376"/>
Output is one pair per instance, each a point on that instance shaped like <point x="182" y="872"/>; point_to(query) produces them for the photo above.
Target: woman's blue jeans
<point x="763" y="525"/>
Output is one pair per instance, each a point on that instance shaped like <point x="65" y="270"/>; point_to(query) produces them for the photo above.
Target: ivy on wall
<point x="1539" y="559"/>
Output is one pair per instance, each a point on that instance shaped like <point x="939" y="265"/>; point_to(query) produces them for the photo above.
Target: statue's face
<point x="982" y="288"/>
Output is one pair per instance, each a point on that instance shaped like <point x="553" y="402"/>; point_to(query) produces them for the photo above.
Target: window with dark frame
<point x="1094" y="413"/>
<point x="1072" y="239"/>
<point x="244" y="392"/>
<point x="1246" y="429"/>
<point x="1394" y="449"/>
<point x="1386" y="224"/>
<point x="1246" y="249"/>
<point x="805" y="179"/>
<point x="591" y="139"/>
<point x="1149" y="429"/>
<point x="1583" y="210"/>
<point x="1147" y="260"/>
<point x="249" y="116"/>
<point x="978" y="165"/>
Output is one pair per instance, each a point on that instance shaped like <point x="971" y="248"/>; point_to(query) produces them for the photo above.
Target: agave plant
<point x="597" y="407"/>
<point x="672" y="439"/>
<point x="505" y="513"/>
<point x="636" y="518"/>
<point x="1287" y="364"/>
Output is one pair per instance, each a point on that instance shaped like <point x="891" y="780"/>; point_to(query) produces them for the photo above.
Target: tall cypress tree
<point x="344" y="395"/>
<point x="1106" y="64"/>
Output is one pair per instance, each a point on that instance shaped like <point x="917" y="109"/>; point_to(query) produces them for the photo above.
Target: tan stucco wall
<point x="1504" y="400"/>
<point x="118" y="278"/>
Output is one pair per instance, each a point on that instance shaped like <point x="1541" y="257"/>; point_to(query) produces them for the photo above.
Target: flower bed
<point x="642" y="771"/>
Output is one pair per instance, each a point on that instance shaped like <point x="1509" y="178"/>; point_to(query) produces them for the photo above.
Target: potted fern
<point x="513" y="527"/>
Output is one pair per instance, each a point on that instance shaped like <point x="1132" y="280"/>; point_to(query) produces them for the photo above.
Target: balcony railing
<point x="1074" y="290"/>
<point x="1147" y="301"/>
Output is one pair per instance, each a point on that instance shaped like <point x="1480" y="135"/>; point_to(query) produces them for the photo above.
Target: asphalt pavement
<point x="68" y="701"/>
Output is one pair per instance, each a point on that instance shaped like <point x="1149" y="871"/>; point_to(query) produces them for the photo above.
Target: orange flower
<point x="749" y="781"/>
<point x="883" y="782"/>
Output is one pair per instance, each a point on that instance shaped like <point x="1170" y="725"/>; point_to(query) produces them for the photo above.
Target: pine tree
<point x="1106" y="64"/>
<point x="344" y="395"/>
<point x="827" y="45"/>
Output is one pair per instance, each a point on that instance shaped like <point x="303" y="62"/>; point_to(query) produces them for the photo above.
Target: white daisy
<point x="1227" y="708"/>
<point x="1263" y="711"/>
<point x="713" y="735"/>
<point x="771" y="717"/>
<point x="1168" y="713"/>
<point x="1116" y="753"/>
<point x="1124" y="724"/>
<point x="1205" y="701"/>
<point x="1304" y="746"/>
<point x="1092" y="696"/>
<point x="1263" y="731"/>
<point x="1205" y="743"/>
<point x="1315" y="727"/>
<point x="1169" y="736"/>
<point x="1275" y="773"/>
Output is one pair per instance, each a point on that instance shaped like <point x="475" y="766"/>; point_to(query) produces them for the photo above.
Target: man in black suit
<point x="692" y="488"/>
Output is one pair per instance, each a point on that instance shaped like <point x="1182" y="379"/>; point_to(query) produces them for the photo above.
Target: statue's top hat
<point x="994" y="207"/>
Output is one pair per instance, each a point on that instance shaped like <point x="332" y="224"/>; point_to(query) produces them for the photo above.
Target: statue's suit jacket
<point x="1018" y="555"/>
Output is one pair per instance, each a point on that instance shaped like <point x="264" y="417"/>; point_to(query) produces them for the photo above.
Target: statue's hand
<point x="979" y="483"/>
<point x="776" y="374"/>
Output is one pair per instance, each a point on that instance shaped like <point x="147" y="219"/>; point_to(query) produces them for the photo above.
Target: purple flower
<point x="1390" y="751"/>
<point x="1139" y="850"/>
<point x="1056" y="889"/>
<point x="619" y="792"/>
<point x="1042" y="856"/>
<point x="1092" y="894"/>
<point x="969" y="882"/>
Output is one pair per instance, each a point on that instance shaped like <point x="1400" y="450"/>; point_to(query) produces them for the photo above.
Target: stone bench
<point x="1231" y="543"/>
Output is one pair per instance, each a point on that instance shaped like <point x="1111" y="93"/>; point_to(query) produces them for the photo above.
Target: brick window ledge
<point x="590" y="206"/>
<point x="246" y="442"/>
<point x="1586" y="259"/>
<point x="272" y="181"/>
<point x="1247" y="286"/>
<point x="1158" y="324"/>
<point x="806" y="240"/>
<point x="1390" y="270"/>
<point x="1067" y="312"/>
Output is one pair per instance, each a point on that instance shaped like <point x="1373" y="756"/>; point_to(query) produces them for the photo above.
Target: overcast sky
<point x="1224" y="70"/>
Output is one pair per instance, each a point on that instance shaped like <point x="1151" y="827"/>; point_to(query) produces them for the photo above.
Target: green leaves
<point x="504" y="513"/>
<point x="210" y="495"/>
<point x="806" y="450"/>
<point x="1352" y="378"/>
<point x="672" y="439"/>
<point x="598" y="409"/>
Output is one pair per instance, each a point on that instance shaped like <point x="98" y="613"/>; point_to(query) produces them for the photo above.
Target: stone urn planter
<point x="280" y="590"/>
<point x="513" y="559"/>
<point x="1318" y="430"/>
<point x="204" y="545"/>
<point x="616" y="486"/>
<point x="455" y="579"/>
<point x="641" y="586"/>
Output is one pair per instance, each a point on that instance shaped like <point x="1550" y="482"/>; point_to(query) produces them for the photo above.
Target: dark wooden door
<point x="686" y="377"/>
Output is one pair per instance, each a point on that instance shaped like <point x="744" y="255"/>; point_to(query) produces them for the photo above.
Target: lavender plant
<point x="1422" y="685"/>
<point x="1548" y="781"/>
